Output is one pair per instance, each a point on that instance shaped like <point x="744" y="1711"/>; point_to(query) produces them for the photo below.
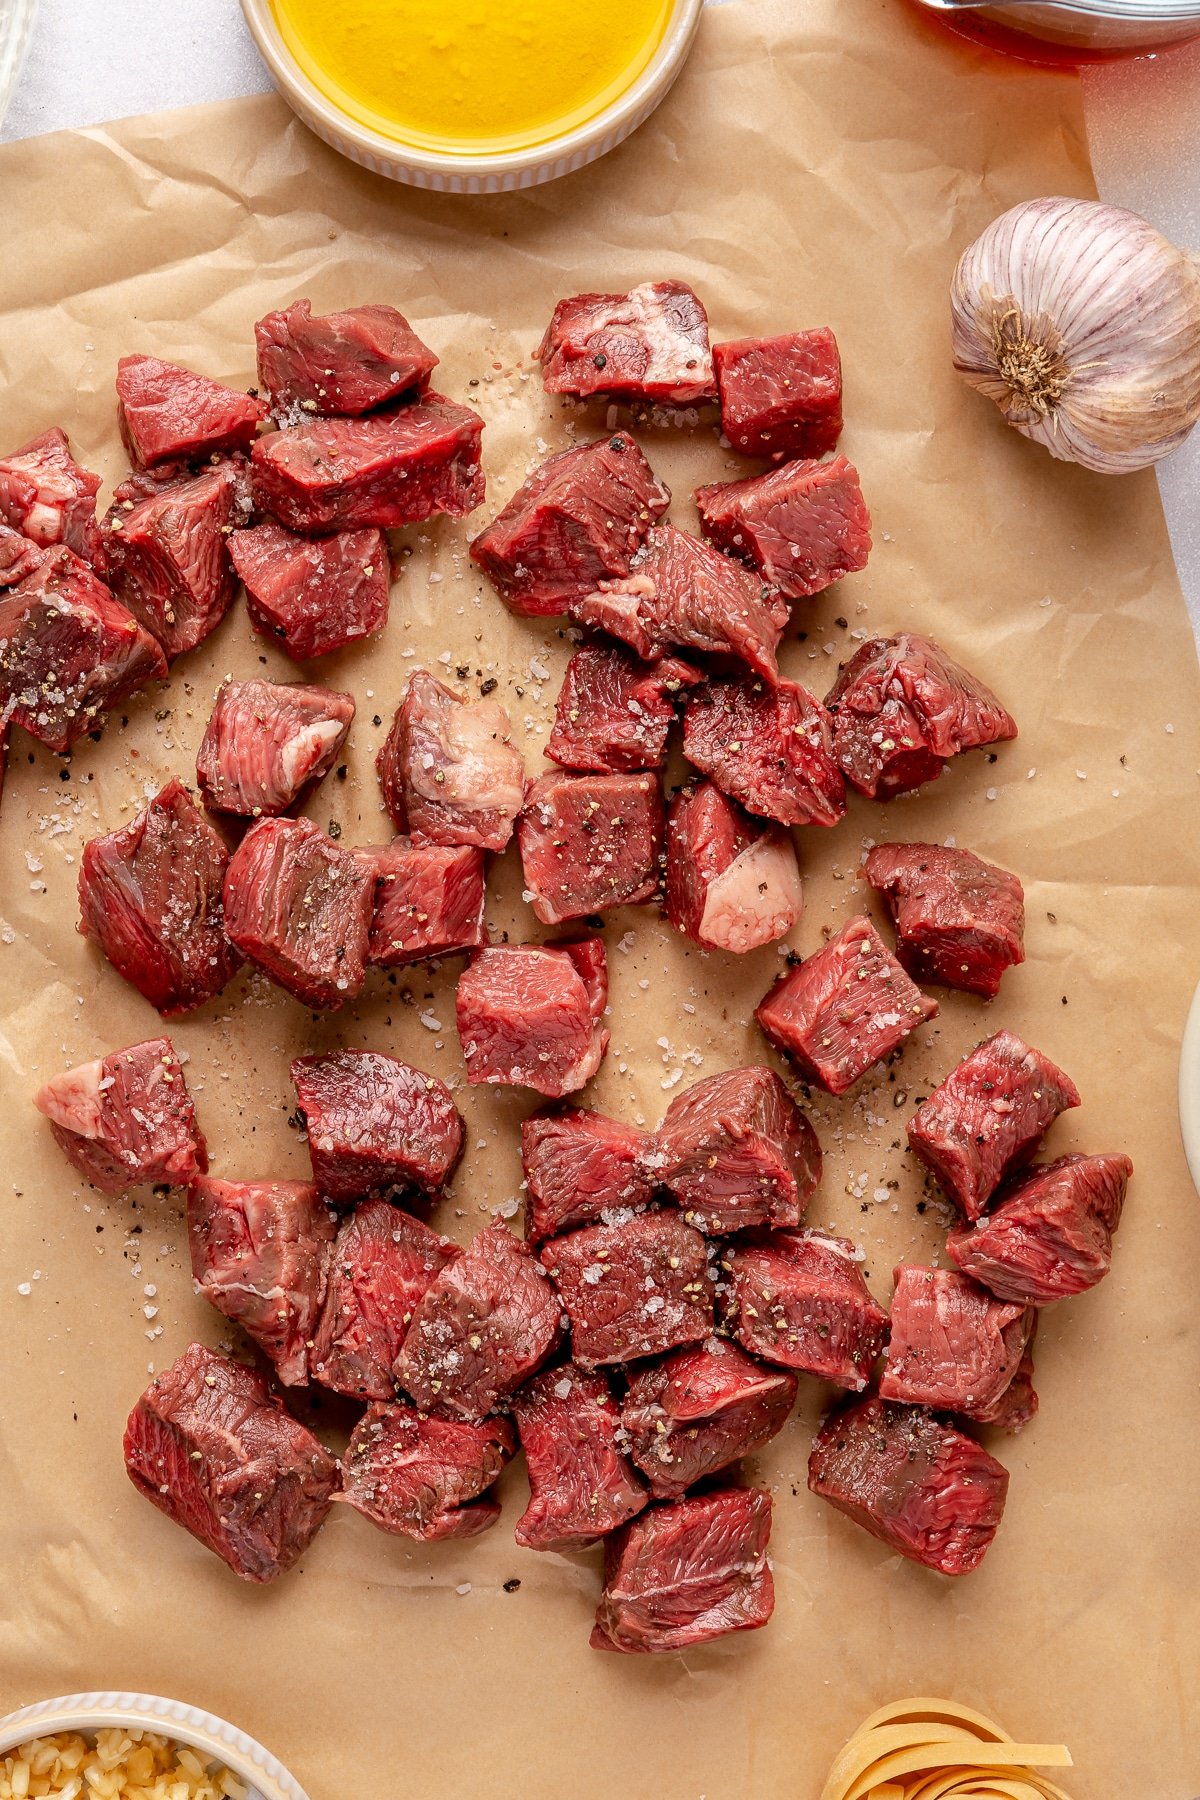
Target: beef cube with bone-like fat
<point x="952" y="1346"/>
<point x="429" y="901"/>
<point x="213" y="1450"/>
<point x="959" y="920"/>
<point x="579" y="1166"/>
<point x="449" y="770"/>
<point x="770" y="749"/>
<point x="918" y="1485"/>
<point x="48" y="497"/>
<point x="687" y="1571"/>
<point x="384" y="470"/>
<point x="614" y="711"/>
<point x="167" y="548"/>
<point x="530" y="1015"/>
<point x="266" y="742"/>
<point x="735" y="1150"/>
<point x="634" y="1288"/>
<point x="732" y="881"/>
<point x="300" y="908"/>
<point x="375" y="1123"/>
<point x="169" y="414"/>
<point x="127" y="1118"/>
<point x="260" y="1254"/>
<point x="649" y="344"/>
<point x="343" y="362"/>
<point x="581" y="1485"/>
<point x="425" y="1478"/>
<point x="590" y="842"/>
<point x="1050" y="1233"/>
<point x="700" y="1409"/>
<point x="988" y="1117"/>
<point x="798" y="1298"/>
<point x="801" y="526"/>
<point x="578" y="520"/>
<point x="781" y="396"/>
<point x="485" y="1325"/>
<point x="310" y="596"/>
<point x="150" y="895"/>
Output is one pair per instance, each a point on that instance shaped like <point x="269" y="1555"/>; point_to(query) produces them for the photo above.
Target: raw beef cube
<point x="150" y="897"/>
<point x="383" y="1264"/>
<point x="687" y="1571"/>
<point x="799" y="1299"/>
<point x="168" y="414"/>
<point x="127" y="1118"/>
<point x="488" y="1322"/>
<point x="614" y="712"/>
<point x="988" y="1117"/>
<point x="920" y="1487"/>
<point x="393" y="468"/>
<point x="429" y="901"/>
<point x="300" y="908"/>
<point x="1018" y="1404"/>
<point x="577" y="521"/>
<point x="735" y="1150"/>
<point x="46" y="495"/>
<point x="260" y="1254"/>
<point x="679" y="593"/>
<point x="802" y="526"/>
<point x="589" y="842"/>
<point x="313" y="595"/>
<point x="632" y="1289"/>
<point x="1050" y="1235"/>
<point x="844" y="1008"/>
<point x="167" y="548"/>
<point x="529" y="1015"/>
<point x="266" y="742"/>
<point x="68" y="651"/>
<point x="422" y="1478"/>
<point x="578" y="1166"/>
<point x="19" y="557"/>
<point x="649" y="344"/>
<point x="581" y="1486"/>
<point x="210" y="1447"/>
<point x="449" y="770"/>
<point x="959" y="920"/>
<point x="701" y="1409"/>
<point x="952" y="1346"/>
<point x="375" y="1123"/>
<point x="901" y="708"/>
<point x="769" y="748"/>
<point x="343" y="362"/>
<point x="781" y="396"/>
<point x="732" y="882"/>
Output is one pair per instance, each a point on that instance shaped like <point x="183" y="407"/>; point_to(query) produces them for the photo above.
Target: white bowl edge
<point x="1189" y="1089"/>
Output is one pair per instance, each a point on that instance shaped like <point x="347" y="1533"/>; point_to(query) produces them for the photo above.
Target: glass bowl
<point x="1072" y="30"/>
<point x="16" y="23"/>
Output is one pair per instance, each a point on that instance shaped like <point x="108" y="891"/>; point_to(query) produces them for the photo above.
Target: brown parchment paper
<point x="816" y="164"/>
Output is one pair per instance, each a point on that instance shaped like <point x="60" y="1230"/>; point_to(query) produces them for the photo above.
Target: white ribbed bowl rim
<point x="219" y="1740"/>
<point x="1189" y="1089"/>
<point x="500" y="172"/>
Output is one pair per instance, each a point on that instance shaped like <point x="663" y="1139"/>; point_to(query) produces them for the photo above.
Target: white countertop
<point x="91" y="60"/>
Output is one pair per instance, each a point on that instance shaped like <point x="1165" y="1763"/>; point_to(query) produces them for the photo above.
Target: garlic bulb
<point x="1082" y="323"/>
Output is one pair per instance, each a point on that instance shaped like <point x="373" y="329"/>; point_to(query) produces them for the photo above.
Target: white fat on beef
<point x="675" y="361"/>
<point x="757" y="899"/>
<point x="301" y="753"/>
<point x="463" y="755"/>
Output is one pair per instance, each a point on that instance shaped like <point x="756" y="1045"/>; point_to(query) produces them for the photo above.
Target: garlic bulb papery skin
<point x="1082" y="323"/>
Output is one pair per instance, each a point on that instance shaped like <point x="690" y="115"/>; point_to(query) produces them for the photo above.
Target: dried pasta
<point x="937" y="1750"/>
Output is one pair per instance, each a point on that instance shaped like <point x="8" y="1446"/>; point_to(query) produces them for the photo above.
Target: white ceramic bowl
<point x="491" y="174"/>
<point x="215" y="1739"/>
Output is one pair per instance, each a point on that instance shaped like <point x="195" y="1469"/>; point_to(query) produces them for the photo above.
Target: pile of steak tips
<point x="651" y="1328"/>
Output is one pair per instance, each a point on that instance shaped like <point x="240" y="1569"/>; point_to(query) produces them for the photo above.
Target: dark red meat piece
<point x="735" y="1150"/>
<point x="920" y="1487"/>
<point x="50" y="498"/>
<point x="959" y="920"/>
<point x="952" y="1346"/>
<point x="577" y="521"/>
<point x="342" y="362"/>
<point x="19" y="556"/>
<point x="1050" y="1235"/>
<point x="384" y="1262"/>
<point x="988" y="1117"/>
<point x="392" y="468"/>
<point x="614" y="712"/>
<point x="801" y="526"/>
<point x="589" y="842"/>
<point x="781" y="396"/>
<point x="429" y="901"/>
<point x="529" y="1015"/>
<point x="167" y="549"/>
<point x="68" y="651"/>
<point x="687" y="1571"/>
<point x="266" y="742"/>
<point x="127" y="1118"/>
<point x="632" y="1289"/>
<point x="799" y="1299"/>
<point x="449" y="770"/>
<point x="648" y="344"/>
<point x="260" y="1254"/>
<point x="581" y="1486"/>
<point x="768" y="748"/>
<point x="487" y="1323"/>
<point x="300" y="908"/>
<point x="423" y="1478"/>
<point x="901" y="708"/>
<point x="209" y="1446"/>
<point x="375" y="1123"/>
<point x="313" y="595"/>
<point x="700" y="1409"/>
<point x="1018" y="1404"/>
<point x="579" y="1166"/>
<point x="168" y="414"/>
<point x="150" y="895"/>
<point x="732" y="882"/>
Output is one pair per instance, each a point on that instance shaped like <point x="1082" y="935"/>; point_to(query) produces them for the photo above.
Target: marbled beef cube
<point x="959" y="920"/>
<point x="614" y="711"/>
<point x="581" y="1485"/>
<point x="375" y="1124"/>
<point x="268" y="741"/>
<point x="425" y="1478"/>
<point x="167" y="548"/>
<point x="578" y="1166"/>
<point x="530" y="1015"/>
<point x="700" y="1409"/>
<point x="300" y="907"/>
<point x="1050" y="1233"/>
<point x="590" y="842"/>
<point x="1018" y="1404"/>
<point x="735" y="1150"/>
<point x="781" y="396"/>
<point x="342" y="362"/>
<point x="798" y="1299"/>
<point x="169" y="414"/>
<point x="770" y="749"/>
<point x="952" y="1346"/>
<point x="801" y="526"/>
<point x="127" y="1118"/>
<point x="50" y="498"/>
<point x="732" y="881"/>
<point x="632" y="1289"/>
<point x="20" y="556"/>
<point x="428" y="903"/>
<point x="649" y="344"/>
<point x="449" y="769"/>
<point x="313" y="595"/>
